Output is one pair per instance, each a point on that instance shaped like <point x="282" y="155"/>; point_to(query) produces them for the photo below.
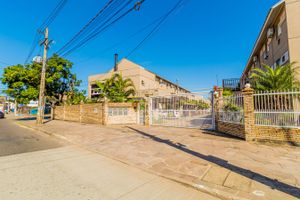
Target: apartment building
<point x="279" y="40"/>
<point x="146" y="82"/>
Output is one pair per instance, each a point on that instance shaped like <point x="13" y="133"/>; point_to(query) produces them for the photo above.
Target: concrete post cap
<point x="248" y="85"/>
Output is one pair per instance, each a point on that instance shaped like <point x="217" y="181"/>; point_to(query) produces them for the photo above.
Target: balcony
<point x="232" y="84"/>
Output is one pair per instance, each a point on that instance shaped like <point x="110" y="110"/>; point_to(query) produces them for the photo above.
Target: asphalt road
<point x="15" y="139"/>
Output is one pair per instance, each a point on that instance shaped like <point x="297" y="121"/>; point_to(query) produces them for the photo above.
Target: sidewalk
<point x="226" y="167"/>
<point x="71" y="173"/>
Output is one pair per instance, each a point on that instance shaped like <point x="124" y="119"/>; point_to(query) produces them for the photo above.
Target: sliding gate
<point x="191" y="110"/>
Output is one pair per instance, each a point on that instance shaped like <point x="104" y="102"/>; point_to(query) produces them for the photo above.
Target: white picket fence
<point x="277" y="108"/>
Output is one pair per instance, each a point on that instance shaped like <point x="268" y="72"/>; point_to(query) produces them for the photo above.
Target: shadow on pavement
<point x="273" y="183"/>
<point x="33" y="118"/>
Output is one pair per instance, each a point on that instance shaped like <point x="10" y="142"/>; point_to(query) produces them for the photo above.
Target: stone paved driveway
<point x="225" y="166"/>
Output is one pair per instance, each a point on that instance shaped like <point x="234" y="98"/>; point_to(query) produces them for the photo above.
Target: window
<point x="143" y="83"/>
<point x="117" y="111"/>
<point x="278" y="62"/>
<point x="285" y="58"/>
<point x="278" y="41"/>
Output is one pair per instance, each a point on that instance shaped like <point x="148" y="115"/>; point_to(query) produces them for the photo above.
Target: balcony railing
<point x="232" y="83"/>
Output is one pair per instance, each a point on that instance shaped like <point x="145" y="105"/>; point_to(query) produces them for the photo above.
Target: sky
<point x="200" y="44"/>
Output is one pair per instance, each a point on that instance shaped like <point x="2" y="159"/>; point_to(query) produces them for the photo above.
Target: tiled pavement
<point x="227" y="167"/>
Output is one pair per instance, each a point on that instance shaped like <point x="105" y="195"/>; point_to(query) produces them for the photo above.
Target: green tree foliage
<point x="195" y="104"/>
<point x="227" y="92"/>
<point x="280" y="78"/>
<point x="116" y="89"/>
<point x="76" y="97"/>
<point x="23" y="81"/>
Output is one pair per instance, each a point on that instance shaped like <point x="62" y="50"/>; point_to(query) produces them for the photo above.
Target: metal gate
<point x="191" y="110"/>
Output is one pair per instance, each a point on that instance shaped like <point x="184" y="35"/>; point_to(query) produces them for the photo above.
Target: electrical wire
<point x="106" y="18"/>
<point x="49" y="20"/>
<point x="125" y="39"/>
<point x="98" y="31"/>
<point x="86" y="26"/>
<point x="156" y="28"/>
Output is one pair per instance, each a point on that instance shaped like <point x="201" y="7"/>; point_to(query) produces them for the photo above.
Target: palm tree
<point x="280" y="78"/>
<point x="116" y="89"/>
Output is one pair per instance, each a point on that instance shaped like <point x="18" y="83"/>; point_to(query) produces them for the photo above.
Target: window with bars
<point x="117" y="111"/>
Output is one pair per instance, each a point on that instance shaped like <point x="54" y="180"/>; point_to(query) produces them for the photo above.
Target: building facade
<point x="146" y="82"/>
<point x="279" y="40"/>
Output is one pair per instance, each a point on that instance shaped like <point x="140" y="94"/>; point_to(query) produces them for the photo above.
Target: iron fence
<point x="277" y="108"/>
<point x="231" y="109"/>
<point x="182" y="110"/>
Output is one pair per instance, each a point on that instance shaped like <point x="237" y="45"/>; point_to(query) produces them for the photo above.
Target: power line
<point x="54" y="13"/>
<point x="126" y="39"/>
<point x="156" y="28"/>
<point x="97" y="27"/>
<point x="86" y="26"/>
<point x="109" y="22"/>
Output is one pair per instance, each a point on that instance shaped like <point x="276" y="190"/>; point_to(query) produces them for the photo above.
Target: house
<point x="278" y="42"/>
<point x="146" y="82"/>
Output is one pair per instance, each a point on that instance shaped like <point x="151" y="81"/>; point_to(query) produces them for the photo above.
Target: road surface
<point x="50" y="170"/>
<point x="15" y="139"/>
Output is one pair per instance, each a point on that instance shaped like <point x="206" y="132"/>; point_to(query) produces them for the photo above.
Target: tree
<point x="23" y="81"/>
<point x="76" y="97"/>
<point x="280" y="78"/>
<point x="116" y="89"/>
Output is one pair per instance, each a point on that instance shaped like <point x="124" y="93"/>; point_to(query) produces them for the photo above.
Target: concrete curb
<point x="218" y="191"/>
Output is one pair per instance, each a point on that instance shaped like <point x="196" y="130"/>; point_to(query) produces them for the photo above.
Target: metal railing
<point x="232" y="83"/>
<point x="277" y="108"/>
<point x="231" y="109"/>
<point x="182" y="110"/>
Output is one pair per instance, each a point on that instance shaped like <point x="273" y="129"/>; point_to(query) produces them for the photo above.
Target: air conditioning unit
<point x="270" y="32"/>
<point x="255" y="59"/>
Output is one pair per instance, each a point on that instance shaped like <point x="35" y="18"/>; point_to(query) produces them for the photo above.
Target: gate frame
<point x="212" y="107"/>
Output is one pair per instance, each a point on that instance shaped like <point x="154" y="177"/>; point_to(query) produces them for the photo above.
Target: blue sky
<point x="201" y="42"/>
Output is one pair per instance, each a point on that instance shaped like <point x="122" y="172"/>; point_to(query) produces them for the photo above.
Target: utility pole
<point x="41" y="103"/>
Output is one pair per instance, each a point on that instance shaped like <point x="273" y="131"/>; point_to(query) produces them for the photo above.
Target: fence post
<point x="217" y="106"/>
<point x="249" y="116"/>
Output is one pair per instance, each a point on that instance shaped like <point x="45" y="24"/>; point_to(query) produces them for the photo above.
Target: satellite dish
<point x="37" y="59"/>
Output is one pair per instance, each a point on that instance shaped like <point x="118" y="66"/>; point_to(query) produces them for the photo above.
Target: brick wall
<point x="277" y="135"/>
<point x="95" y="113"/>
<point x="252" y="132"/>
<point x="72" y="113"/>
<point x="58" y="113"/>
<point x="92" y="113"/>
<point x="237" y="130"/>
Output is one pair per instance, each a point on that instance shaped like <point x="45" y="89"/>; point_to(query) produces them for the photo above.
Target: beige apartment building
<point x="279" y="40"/>
<point x="146" y="82"/>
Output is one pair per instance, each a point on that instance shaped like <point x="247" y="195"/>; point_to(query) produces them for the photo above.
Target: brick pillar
<point x="249" y="116"/>
<point x="105" y="112"/>
<point x="217" y="106"/>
